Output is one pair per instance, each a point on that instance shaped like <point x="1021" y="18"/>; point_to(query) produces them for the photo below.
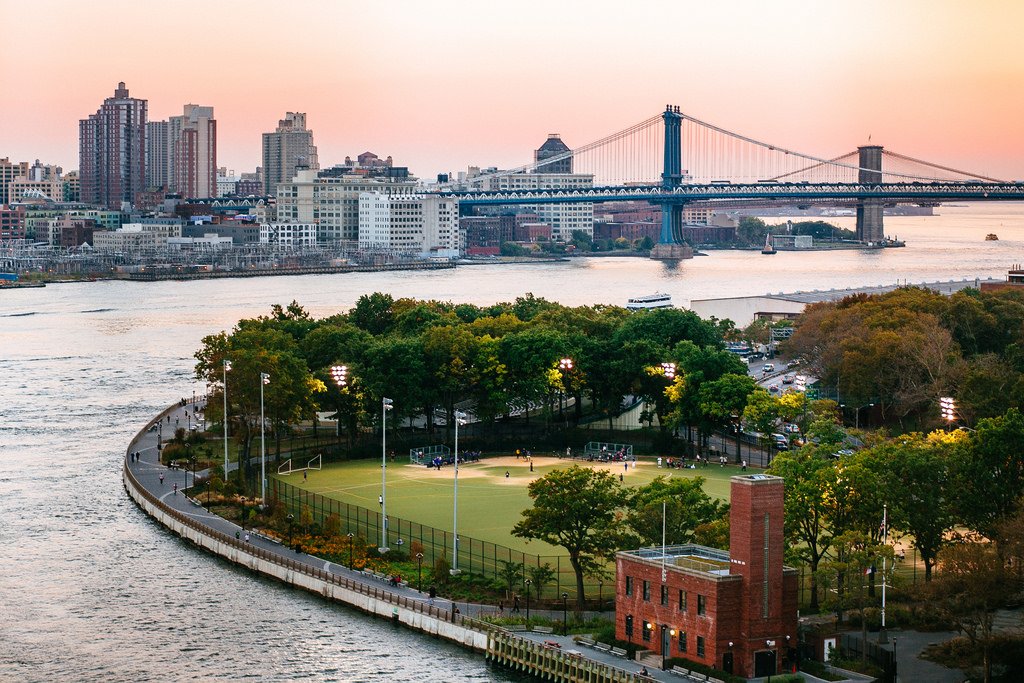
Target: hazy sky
<point x="441" y="85"/>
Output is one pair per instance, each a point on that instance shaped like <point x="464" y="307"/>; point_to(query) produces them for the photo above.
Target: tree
<point x="511" y="573"/>
<point x="687" y="509"/>
<point x="541" y="576"/>
<point x="973" y="582"/>
<point x="578" y="509"/>
<point x="808" y="477"/>
<point x="373" y="313"/>
<point x="988" y="473"/>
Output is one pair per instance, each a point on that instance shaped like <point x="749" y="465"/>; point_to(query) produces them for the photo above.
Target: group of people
<point x="610" y="456"/>
<point x="438" y="461"/>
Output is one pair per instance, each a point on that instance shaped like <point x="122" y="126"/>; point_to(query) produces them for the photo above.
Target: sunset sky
<point x="442" y="85"/>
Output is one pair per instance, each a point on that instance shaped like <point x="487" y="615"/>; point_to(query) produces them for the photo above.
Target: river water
<point x="92" y="590"/>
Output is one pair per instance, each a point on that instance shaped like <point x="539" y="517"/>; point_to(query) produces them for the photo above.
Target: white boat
<point x="649" y="301"/>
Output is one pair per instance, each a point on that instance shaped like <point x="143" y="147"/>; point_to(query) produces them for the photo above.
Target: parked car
<point x="768" y="367"/>
<point x="790" y="428"/>
<point x="773" y="388"/>
<point x="788" y="378"/>
<point x="781" y="442"/>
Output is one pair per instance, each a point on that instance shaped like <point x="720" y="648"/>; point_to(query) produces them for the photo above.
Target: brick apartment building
<point x="735" y="610"/>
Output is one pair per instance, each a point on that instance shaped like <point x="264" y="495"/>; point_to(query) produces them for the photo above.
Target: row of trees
<point x="906" y="349"/>
<point x="933" y="485"/>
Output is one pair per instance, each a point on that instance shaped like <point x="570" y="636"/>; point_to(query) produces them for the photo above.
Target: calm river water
<point x="92" y="590"/>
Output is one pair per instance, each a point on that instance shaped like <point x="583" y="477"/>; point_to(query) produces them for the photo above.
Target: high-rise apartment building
<point x="112" y="150"/>
<point x="287" y="149"/>
<point x="158" y="156"/>
<point x="192" y="146"/>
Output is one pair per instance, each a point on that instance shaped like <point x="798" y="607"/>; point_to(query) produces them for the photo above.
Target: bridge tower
<point x="869" y="211"/>
<point x="669" y="247"/>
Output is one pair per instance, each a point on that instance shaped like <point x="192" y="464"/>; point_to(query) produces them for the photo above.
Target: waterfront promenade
<point x="166" y="489"/>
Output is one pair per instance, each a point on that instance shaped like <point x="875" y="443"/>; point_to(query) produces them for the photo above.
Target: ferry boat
<point x="769" y="248"/>
<point x="991" y="237"/>
<point x="649" y="302"/>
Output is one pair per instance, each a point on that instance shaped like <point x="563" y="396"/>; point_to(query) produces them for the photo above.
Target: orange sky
<point x="440" y="85"/>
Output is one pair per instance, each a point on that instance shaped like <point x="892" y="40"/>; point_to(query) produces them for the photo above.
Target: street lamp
<point x="565" y="606"/>
<point x="665" y="644"/>
<point x="600" y="595"/>
<point x="528" y="582"/>
<point x="264" y="380"/>
<point x="454" y="571"/>
<point x="419" y="571"/>
<point x="857" y="419"/>
<point x="227" y="366"/>
<point x="291" y="519"/>
<point x="386" y="405"/>
<point x="351" y="545"/>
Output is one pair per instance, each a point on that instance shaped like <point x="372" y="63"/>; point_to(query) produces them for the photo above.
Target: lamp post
<point x="386" y="405"/>
<point x="454" y="571"/>
<point x="291" y="520"/>
<point x="351" y="545"/>
<point x="227" y="366"/>
<point x="419" y="571"/>
<point x="948" y="407"/>
<point x="600" y="595"/>
<point x="895" y="663"/>
<point x="339" y="373"/>
<point x="565" y="606"/>
<point x="564" y="366"/>
<point x="857" y="418"/>
<point x="264" y="380"/>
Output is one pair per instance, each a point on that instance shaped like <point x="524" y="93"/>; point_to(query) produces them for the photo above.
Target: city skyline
<point x="430" y="84"/>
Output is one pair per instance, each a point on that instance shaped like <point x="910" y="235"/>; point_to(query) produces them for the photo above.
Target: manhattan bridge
<point x="674" y="160"/>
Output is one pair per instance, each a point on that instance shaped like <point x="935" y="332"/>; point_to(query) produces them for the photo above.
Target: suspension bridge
<point x="674" y="160"/>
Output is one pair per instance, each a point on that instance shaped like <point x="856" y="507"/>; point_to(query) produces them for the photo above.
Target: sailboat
<point x="769" y="248"/>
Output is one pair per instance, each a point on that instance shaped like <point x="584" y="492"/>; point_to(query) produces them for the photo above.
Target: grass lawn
<point x="489" y="503"/>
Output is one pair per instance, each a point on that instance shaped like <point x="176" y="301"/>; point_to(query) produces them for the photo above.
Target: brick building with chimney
<point x="735" y="610"/>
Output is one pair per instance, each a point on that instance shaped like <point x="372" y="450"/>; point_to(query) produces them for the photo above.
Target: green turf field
<point x="489" y="503"/>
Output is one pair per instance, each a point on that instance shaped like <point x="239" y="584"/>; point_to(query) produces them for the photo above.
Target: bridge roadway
<point x="169" y="485"/>
<point x="909" y="192"/>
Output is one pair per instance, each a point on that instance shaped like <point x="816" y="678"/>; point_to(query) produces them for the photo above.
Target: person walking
<point x="247" y="538"/>
<point x="744" y="466"/>
<point x="161" y="478"/>
<point x="175" y="488"/>
<point x="501" y="607"/>
<point x="515" y="605"/>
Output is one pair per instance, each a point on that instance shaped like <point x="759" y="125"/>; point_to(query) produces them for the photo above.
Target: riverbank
<point x="161" y="493"/>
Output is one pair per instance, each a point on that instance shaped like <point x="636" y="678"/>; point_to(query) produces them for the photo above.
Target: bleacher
<point x="424" y="455"/>
<point x="605" y="452"/>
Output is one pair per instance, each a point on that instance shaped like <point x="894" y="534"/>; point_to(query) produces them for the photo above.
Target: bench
<point x="715" y="680"/>
<point x="517" y="628"/>
<point x="680" y="671"/>
<point x="543" y="629"/>
<point x="586" y="640"/>
<point x="618" y="652"/>
<point x="603" y="647"/>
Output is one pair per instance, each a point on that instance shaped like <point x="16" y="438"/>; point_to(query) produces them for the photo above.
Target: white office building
<point x="332" y="202"/>
<point x="288" y="236"/>
<point x="423" y="225"/>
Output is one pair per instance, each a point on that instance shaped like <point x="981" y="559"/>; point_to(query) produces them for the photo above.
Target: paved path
<point x="148" y="471"/>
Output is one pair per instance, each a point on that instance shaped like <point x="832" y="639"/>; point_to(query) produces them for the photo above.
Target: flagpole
<point x="882" y="635"/>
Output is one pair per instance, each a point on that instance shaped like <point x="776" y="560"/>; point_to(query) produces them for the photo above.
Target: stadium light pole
<point x="454" y="571"/>
<point x="856" y="424"/>
<point x="386" y="405"/>
<point x="948" y="407"/>
<point x="227" y="366"/>
<point x="339" y="373"/>
<point x="264" y="380"/>
<point x="564" y="366"/>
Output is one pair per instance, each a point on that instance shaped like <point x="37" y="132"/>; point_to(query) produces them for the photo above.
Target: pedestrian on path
<point x="501" y="607"/>
<point x="515" y="605"/>
<point x="433" y="594"/>
<point x="304" y="473"/>
<point x="161" y="478"/>
<point x="744" y="466"/>
<point x="175" y="488"/>
<point x="247" y="538"/>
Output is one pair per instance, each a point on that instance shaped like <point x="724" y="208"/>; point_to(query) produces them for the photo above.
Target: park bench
<point x="603" y="647"/>
<point x="715" y="680"/>
<point x="586" y="640"/>
<point x="618" y="652"/>
<point x="680" y="671"/>
<point x="517" y="628"/>
<point x="543" y="629"/>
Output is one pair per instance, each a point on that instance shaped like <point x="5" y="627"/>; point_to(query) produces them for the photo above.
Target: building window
<point x="629" y="625"/>
<point x="701" y="604"/>
<point x="682" y="601"/>
<point x="647" y="631"/>
<point x="629" y="585"/>
<point x="647" y="590"/>
<point x="682" y="641"/>
<point x="664" y="595"/>
<point x="700" y="646"/>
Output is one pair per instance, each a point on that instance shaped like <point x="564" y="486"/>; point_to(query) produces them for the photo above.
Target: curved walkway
<point x="159" y="481"/>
